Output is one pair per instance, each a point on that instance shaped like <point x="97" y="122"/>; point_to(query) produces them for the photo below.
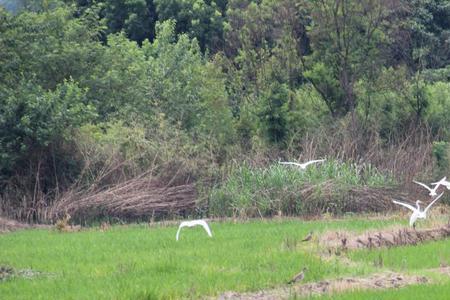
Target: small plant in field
<point x="104" y="226"/>
<point x="62" y="225"/>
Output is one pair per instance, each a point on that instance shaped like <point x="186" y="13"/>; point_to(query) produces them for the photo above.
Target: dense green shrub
<point x="383" y="106"/>
<point x="253" y="192"/>
<point x="438" y="111"/>
<point x="186" y="88"/>
<point x="441" y="152"/>
<point x="32" y="120"/>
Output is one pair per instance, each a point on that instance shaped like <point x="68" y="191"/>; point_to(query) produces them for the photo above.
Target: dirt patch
<point x="7" y="272"/>
<point x="443" y="270"/>
<point x="341" y="240"/>
<point x="376" y="281"/>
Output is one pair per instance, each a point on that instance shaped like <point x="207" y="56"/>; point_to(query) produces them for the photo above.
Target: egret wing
<point x="312" y="162"/>
<point x="429" y="205"/>
<point x="422" y="184"/>
<point x="405" y="205"/>
<point x="206" y="227"/>
<point x="442" y="181"/>
<point x="289" y="163"/>
<point x="183" y="224"/>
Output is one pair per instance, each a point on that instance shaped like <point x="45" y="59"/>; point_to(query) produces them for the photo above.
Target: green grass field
<point x="138" y="262"/>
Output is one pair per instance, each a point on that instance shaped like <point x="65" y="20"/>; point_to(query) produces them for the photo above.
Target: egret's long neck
<point x="418" y="205"/>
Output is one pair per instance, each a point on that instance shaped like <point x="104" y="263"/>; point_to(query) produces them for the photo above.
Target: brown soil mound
<point x="376" y="281"/>
<point x="136" y="198"/>
<point x="384" y="238"/>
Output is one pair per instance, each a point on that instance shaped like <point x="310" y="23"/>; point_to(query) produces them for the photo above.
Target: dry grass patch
<point x="8" y="225"/>
<point x="337" y="241"/>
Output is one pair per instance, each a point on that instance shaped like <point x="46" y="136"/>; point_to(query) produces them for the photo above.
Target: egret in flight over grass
<point x="303" y="165"/>
<point x="417" y="214"/>
<point x="192" y="224"/>
<point x="432" y="190"/>
<point x="443" y="182"/>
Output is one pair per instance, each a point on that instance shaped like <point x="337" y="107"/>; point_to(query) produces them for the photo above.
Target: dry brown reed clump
<point x="329" y="197"/>
<point x="62" y="225"/>
<point x="105" y="226"/>
<point x="140" y="197"/>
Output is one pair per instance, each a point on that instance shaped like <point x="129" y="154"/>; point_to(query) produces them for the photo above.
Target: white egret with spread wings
<point x="416" y="212"/>
<point x="192" y="224"/>
<point x="302" y="165"/>
<point x="443" y="182"/>
<point x="431" y="190"/>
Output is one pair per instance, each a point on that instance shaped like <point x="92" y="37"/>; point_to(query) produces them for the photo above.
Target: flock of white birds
<point x="417" y="213"/>
<point x="422" y="214"/>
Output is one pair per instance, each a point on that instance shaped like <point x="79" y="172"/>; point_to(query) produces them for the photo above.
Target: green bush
<point x="438" y="111"/>
<point x="383" y="106"/>
<point x="31" y="120"/>
<point x="441" y="152"/>
<point x="254" y="192"/>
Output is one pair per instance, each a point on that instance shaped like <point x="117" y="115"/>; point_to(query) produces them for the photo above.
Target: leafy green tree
<point x="32" y="119"/>
<point x="48" y="48"/>
<point x="187" y="89"/>
<point x="200" y="19"/>
<point x="117" y="83"/>
<point x="346" y="39"/>
<point x="135" y="17"/>
<point x="437" y="112"/>
<point x="274" y="112"/>
<point x="386" y="104"/>
<point x="420" y="37"/>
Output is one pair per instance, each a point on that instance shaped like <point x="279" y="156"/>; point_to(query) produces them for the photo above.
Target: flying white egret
<point x="303" y="165"/>
<point x="443" y="182"/>
<point x="192" y="224"/>
<point x="417" y="214"/>
<point x="432" y="190"/>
